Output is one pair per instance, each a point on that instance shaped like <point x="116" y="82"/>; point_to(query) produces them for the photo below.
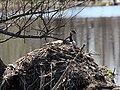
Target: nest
<point x="56" y="67"/>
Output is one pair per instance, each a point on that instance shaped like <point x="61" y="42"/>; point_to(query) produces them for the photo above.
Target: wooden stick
<point x="56" y="86"/>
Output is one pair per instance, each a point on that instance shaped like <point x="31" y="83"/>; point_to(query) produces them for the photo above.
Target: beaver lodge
<point x="57" y="66"/>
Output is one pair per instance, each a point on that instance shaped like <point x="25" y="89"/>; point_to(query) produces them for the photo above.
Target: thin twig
<point x="57" y="85"/>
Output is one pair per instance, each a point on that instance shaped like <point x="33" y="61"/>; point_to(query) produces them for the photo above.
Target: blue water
<point x="86" y="12"/>
<point x="99" y="11"/>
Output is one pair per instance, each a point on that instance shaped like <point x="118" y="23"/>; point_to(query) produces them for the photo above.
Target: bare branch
<point x="27" y="36"/>
<point x="26" y="13"/>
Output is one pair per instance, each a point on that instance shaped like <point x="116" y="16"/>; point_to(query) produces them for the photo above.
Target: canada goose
<point x="73" y="37"/>
<point x="69" y="40"/>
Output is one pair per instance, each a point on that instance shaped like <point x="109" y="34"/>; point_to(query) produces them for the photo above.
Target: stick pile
<point x="56" y="67"/>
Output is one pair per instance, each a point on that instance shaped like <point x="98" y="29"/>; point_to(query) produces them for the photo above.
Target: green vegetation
<point x="107" y="71"/>
<point x="103" y="3"/>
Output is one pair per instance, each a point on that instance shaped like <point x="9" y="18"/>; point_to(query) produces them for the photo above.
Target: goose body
<point x="69" y="40"/>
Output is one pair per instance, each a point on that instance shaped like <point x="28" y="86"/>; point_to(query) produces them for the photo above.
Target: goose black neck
<point x="71" y="39"/>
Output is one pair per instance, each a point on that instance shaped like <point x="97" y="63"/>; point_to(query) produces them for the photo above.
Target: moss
<point x="103" y="3"/>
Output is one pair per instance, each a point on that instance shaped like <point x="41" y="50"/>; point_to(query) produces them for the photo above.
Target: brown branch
<point x="27" y="36"/>
<point x="26" y="14"/>
<point x="19" y="36"/>
<point x="56" y="86"/>
<point x="5" y="40"/>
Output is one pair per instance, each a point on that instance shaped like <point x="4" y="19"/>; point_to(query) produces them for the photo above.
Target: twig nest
<point x="56" y="67"/>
